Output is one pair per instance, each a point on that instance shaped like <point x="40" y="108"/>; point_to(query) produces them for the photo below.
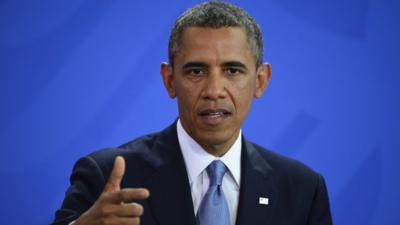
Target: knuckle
<point x="104" y="210"/>
<point x="127" y="195"/>
<point x="122" y="195"/>
<point x="104" y="196"/>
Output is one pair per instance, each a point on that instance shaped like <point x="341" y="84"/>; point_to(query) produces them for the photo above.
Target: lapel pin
<point x="263" y="201"/>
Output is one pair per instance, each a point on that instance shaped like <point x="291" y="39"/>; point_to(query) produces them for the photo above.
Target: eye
<point x="233" y="71"/>
<point x="196" y="72"/>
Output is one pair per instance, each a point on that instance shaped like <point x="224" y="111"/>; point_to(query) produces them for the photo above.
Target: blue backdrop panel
<point x="76" y="76"/>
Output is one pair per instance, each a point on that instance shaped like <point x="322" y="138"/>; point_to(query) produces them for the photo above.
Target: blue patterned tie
<point x="214" y="209"/>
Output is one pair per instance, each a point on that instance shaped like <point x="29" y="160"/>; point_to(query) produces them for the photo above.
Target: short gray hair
<point x="216" y="14"/>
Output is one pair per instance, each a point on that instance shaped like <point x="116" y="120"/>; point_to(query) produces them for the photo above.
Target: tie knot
<point x="216" y="171"/>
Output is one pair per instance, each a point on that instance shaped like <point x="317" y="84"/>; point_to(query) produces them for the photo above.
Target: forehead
<point x="203" y="43"/>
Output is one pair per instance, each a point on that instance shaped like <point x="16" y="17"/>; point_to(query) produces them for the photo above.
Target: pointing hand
<point x="115" y="205"/>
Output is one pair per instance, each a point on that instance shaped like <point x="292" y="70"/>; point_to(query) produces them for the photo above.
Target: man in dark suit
<point x="200" y="170"/>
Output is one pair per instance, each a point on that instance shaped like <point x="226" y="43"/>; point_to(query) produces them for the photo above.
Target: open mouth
<point x="214" y="116"/>
<point x="215" y="113"/>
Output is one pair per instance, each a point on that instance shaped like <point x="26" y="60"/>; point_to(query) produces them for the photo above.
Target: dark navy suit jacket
<point x="297" y="195"/>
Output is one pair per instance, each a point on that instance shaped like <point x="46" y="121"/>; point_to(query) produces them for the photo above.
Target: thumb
<point x="114" y="181"/>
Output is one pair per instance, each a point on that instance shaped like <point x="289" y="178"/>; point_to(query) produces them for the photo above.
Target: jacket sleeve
<point x="320" y="213"/>
<point x="86" y="185"/>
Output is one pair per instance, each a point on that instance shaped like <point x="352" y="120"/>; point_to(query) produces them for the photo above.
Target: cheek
<point x="243" y="93"/>
<point x="186" y="97"/>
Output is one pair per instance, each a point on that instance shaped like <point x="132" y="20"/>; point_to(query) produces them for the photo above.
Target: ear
<point x="167" y="74"/>
<point x="262" y="80"/>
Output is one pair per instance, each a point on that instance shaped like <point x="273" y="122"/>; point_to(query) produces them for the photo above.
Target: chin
<point x="214" y="139"/>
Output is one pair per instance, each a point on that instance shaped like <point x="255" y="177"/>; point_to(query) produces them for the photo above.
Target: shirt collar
<point x="197" y="159"/>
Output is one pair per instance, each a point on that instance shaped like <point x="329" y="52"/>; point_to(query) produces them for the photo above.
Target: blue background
<point x="77" y="76"/>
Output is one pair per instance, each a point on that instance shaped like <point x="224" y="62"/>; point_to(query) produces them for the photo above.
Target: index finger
<point x="128" y="195"/>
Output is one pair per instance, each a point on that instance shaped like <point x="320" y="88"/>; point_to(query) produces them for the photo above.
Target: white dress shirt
<point x="197" y="159"/>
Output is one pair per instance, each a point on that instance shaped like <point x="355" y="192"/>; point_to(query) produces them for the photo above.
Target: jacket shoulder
<point x="137" y="154"/>
<point x="138" y="147"/>
<point x="285" y="166"/>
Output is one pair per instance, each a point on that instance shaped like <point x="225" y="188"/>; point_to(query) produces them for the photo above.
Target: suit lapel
<point x="257" y="182"/>
<point x="170" y="196"/>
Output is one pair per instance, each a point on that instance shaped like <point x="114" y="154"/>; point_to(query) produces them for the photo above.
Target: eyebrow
<point x="234" y="64"/>
<point x="224" y="64"/>
<point x="194" y="64"/>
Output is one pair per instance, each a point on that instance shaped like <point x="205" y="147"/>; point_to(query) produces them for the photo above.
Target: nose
<point x="214" y="86"/>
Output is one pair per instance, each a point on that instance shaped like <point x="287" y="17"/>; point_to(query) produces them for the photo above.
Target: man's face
<point x="214" y="79"/>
